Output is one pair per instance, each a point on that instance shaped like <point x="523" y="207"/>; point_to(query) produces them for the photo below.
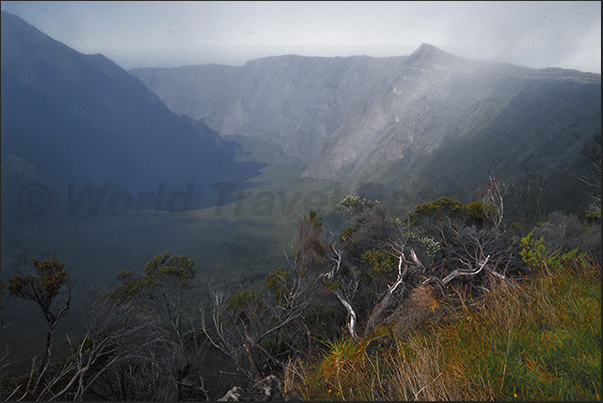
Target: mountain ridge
<point x="354" y="119"/>
<point x="82" y="118"/>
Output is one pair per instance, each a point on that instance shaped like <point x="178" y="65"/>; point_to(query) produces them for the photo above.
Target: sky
<point x="539" y="34"/>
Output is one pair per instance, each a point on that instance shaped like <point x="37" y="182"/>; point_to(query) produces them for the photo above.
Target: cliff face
<point x="415" y="122"/>
<point x="295" y="101"/>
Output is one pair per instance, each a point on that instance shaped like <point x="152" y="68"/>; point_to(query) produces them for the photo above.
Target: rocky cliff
<point x="416" y="123"/>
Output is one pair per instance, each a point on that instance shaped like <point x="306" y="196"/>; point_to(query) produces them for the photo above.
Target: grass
<point x="534" y="340"/>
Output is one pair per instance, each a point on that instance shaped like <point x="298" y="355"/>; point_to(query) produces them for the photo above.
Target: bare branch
<point x="457" y="273"/>
<point x="351" y="314"/>
<point x="385" y="302"/>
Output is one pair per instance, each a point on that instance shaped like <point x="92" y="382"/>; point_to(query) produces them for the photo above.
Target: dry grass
<point x="535" y="340"/>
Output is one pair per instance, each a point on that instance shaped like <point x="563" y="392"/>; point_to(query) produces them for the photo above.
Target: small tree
<point x="42" y="288"/>
<point x="169" y="362"/>
<point x="354" y="206"/>
<point x="525" y="198"/>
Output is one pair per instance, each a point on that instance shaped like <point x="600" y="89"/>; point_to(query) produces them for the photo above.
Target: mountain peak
<point x="426" y="47"/>
<point x="428" y="54"/>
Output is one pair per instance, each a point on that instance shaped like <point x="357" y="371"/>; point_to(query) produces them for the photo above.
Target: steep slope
<point x="428" y="123"/>
<point x="294" y="101"/>
<point x="82" y="119"/>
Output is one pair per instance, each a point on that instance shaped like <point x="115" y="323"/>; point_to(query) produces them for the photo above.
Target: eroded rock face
<point x="427" y="123"/>
<point x="266" y="389"/>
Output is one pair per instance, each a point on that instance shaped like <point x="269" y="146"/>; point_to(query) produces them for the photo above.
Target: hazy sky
<point x="538" y="34"/>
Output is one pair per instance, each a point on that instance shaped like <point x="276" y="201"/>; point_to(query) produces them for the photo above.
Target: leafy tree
<point x="246" y="305"/>
<point x="380" y="263"/>
<point x="160" y="272"/>
<point x="450" y="209"/>
<point x="42" y="288"/>
<point x="165" y="266"/>
<point x="136" y="347"/>
<point x="162" y="292"/>
<point x="280" y="284"/>
<point x="368" y="227"/>
<point x="353" y="205"/>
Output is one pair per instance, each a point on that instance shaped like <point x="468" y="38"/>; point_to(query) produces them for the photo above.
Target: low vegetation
<point x="451" y="302"/>
<point x="530" y="339"/>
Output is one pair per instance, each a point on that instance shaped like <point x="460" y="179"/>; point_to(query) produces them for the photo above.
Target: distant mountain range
<point x="425" y="125"/>
<point x="74" y="118"/>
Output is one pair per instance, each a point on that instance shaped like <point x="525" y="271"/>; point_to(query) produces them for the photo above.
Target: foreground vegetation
<point x="529" y="332"/>
<point x="532" y="339"/>
<point x="451" y="302"/>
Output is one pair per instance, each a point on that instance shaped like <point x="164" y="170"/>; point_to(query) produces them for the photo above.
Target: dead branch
<point x="455" y="274"/>
<point x="352" y="317"/>
<point x="385" y="302"/>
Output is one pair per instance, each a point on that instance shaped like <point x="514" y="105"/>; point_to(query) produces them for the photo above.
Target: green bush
<point x="473" y="213"/>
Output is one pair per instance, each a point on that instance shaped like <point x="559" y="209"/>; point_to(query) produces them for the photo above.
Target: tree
<point x="117" y="331"/>
<point x="42" y="288"/>
<point x="354" y="206"/>
<point x="525" y="202"/>
<point x="258" y="333"/>
<point x="169" y="365"/>
<point x="135" y="347"/>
